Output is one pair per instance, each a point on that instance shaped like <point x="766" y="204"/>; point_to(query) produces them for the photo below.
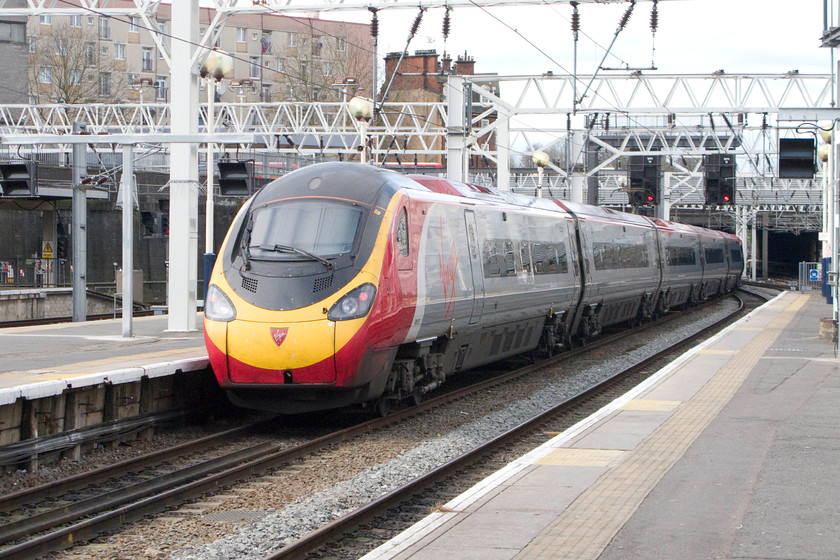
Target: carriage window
<point x="402" y="233"/>
<point x="619" y="255"/>
<point x="542" y="257"/>
<point x="492" y="267"/>
<point x="714" y="256"/>
<point x="681" y="256"/>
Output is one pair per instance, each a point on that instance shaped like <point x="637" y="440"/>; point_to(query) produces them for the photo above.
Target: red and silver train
<point x="344" y="283"/>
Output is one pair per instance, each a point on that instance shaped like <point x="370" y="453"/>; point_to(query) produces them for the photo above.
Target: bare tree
<point x="65" y="66"/>
<point x="315" y="68"/>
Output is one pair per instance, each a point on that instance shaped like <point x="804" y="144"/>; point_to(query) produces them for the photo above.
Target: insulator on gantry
<point x="654" y="16"/>
<point x="446" y="24"/>
<point x="374" y="23"/>
<point x="626" y="17"/>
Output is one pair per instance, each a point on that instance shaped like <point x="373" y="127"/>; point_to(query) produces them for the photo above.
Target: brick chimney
<point x="465" y="65"/>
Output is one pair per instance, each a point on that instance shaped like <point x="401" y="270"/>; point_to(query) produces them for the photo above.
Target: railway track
<point x="61" y="527"/>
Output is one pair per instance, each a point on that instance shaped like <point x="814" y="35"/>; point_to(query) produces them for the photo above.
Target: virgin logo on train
<point x="279" y="335"/>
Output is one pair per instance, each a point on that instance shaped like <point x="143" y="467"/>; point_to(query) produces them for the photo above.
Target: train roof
<point x="579" y="209"/>
<point x="478" y="192"/>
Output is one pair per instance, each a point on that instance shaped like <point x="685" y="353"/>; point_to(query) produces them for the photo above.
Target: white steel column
<point x="128" y="240"/>
<point x="502" y="150"/>
<point x="79" y="209"/>
<point x="455" y="129"/>
<point x="183" y="175"/>
<point x="576" y="167"/>
<point x="753" y="245"/>
<point x="663" y="209"/>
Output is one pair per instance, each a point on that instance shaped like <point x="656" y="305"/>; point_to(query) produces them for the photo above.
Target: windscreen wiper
<point x="289" y="249"/>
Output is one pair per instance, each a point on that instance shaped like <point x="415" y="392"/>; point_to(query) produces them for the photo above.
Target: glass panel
<point x="321" y="228"/>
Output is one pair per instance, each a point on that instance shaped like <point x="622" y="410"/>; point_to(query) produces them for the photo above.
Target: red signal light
<point x="650" y="198"/>
<point x="726" y="198"/>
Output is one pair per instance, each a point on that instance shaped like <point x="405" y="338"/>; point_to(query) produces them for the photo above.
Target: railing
<point x="35" y="273"/>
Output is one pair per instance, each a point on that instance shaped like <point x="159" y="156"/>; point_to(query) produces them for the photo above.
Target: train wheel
<point x="382" y="408"/>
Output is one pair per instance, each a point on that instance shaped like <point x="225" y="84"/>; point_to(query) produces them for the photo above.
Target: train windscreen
<point x="318" y="227"/>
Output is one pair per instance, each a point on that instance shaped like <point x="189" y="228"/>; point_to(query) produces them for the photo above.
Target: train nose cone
<point x="260" y="352"/>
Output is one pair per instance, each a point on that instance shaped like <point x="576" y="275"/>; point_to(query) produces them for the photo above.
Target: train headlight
<point x="217" y="306"/>
<point x="354" y="305"/>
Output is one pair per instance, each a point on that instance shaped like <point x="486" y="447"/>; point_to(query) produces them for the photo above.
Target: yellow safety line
<point x="587" y="525"/>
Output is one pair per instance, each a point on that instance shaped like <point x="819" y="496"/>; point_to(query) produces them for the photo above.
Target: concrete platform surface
<point x="42" y="360"/>
<point x="732" y="451"/>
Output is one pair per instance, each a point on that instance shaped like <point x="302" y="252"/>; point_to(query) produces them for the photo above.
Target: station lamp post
<point x="361" y="109"/>
<point x="217" y="65"/>
<point x="540" y="159"/>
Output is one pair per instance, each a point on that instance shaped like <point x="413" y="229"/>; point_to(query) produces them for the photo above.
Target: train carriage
<point x="343" y="283"/>
<point x="620" y="252"/>
<point x="682" y="270"/>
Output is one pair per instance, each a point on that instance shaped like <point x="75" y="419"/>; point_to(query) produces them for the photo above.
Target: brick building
<point x="420" y="78"/>
<point x="92" y="58"/>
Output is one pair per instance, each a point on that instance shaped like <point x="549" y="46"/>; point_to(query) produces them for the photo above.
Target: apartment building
<point x="92" y="58"/>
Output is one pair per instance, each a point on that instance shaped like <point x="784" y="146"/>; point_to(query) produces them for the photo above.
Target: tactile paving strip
<point x="588" y="524"/>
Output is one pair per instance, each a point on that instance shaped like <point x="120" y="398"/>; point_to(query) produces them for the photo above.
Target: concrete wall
<point x="45" y="303"/>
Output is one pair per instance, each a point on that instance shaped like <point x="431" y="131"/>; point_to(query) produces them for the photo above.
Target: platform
<point x="42" y="360"/>
<point x="61" y="377"/>
<point x="732" y="451"/>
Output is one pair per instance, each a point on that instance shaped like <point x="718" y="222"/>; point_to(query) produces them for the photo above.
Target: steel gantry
<point x="492" y="118"/>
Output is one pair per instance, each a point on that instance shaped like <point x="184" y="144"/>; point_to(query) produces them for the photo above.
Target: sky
<point x="693" y="36"/>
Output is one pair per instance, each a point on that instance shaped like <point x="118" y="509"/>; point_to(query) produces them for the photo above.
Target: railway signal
<point x="719" y="172"/>
<point x="19" y="179"/>
<point x="797" y="158"/>
<point x="644" y="180"/>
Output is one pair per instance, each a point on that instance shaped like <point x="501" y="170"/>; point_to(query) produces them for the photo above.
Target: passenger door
<point x="475" y="266"/>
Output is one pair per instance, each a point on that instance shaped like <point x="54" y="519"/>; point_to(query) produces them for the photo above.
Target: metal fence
<point x="810" y="277"/>
<point x="34" y="273"/>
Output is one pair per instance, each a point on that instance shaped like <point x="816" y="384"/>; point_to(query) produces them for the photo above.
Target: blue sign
<point x="814" y="275"/>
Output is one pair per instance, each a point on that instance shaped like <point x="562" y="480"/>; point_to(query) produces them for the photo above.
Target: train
<point x="344" y="284"/>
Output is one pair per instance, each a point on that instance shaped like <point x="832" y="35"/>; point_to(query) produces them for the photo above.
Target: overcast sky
<point x="693" y="36"/>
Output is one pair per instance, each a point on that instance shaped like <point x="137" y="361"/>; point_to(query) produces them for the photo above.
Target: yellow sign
<point x="47" y="251"/>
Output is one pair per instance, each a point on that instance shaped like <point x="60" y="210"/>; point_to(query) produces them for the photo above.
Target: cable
<point x="414" y="27"/>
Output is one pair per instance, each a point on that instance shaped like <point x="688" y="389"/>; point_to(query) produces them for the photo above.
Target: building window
<point x="90" y="20"/>
<point x="45" y="76"/>
<point x="60" y="46"/>
<point x="292" y="40"/>
<point x="45" y="20"/>
<point x="241" y="34"/>
<point x="341" y="44"/>
<point x="266" y="93"/>
<point x="148" y="60"/>
<point x="90" y="54"/>
<point x="133" y="79"/>
<point x="104" y="28"/>
<point x="133" y="24"/>
<point x="119" y="51"/>
<point x="255" y="67"/>
<point x="33" y="44"/>
<point x="104" y="83"/>
<point x="160" y="88"/>
<point x="265" y="42"/>
<point x="104" y="50"/>
<point x="76" y="20"/>
<point x="75" y="77"/>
